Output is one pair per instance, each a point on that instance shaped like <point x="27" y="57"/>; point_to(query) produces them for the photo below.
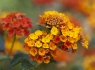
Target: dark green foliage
<point x="26" y="64"/>
<point x="18" y="58"/>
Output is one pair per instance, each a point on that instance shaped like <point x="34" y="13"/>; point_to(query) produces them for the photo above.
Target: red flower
<point x="39" y="59"/>
<point x="26" y="32"/>
<point x="82" y="6"/>
<point x="16" y="23"/>
<point x="68" y="44"/>
<point x="64" y="47"/>
<point x="56" y="39"/>
<point x="11" y="31"/>
<point x="73" y="3"/>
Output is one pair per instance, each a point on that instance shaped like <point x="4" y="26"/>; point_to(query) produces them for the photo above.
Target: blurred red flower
<point x="82" y="6"/>
<point x="16" y="23"/>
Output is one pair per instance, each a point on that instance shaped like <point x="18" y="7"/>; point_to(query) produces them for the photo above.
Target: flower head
<point x="38" y="32"/>
<point x="52" y="46"/>
<point x="39" y="59"/>
<point x="40" y="46"/>
<point x="33" y="36"/>
<point x="41" y="52"/>
<point x="47" y="38"/>
<point x="45" y="45"/>
<point x="56" y="39"/>
<point x="47" y="59"/>
<point x="54" y="31"/>
<point x="33" y="51"/>
<point x="16" y="23"/>
<point x="66" y="32"/>
<point x="53" y="18"/>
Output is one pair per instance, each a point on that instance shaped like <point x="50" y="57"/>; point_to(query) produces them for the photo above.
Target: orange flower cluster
<point x="42" y="45"/>
<point x="53" y="18"/>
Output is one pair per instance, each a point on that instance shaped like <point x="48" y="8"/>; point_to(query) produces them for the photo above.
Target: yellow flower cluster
<point x="89" y="62"/>
<point x="68" y="36"/>
<point x="40" y="47"/>
<point x="53" y="18"/>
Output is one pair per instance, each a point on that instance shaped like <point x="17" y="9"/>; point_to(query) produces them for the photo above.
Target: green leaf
<point x="26" y="65"/>
<point x="44" y="28"/>
<point x="18" y="58"/>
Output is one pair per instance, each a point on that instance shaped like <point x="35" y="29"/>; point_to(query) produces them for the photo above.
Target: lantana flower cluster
<point x="16" y="23"/>
<point x="42" y="46"/>
<point x="67" y="30"/>
<point x="53" y="18"/>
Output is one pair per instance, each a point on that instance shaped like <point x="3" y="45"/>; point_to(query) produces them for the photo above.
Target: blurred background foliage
<point x="80" y="12"/>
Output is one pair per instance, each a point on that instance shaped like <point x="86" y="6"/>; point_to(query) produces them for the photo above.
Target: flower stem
<point x="12" y="45"/>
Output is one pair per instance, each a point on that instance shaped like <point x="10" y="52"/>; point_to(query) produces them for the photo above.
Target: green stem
<point x="12" y="45"/>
